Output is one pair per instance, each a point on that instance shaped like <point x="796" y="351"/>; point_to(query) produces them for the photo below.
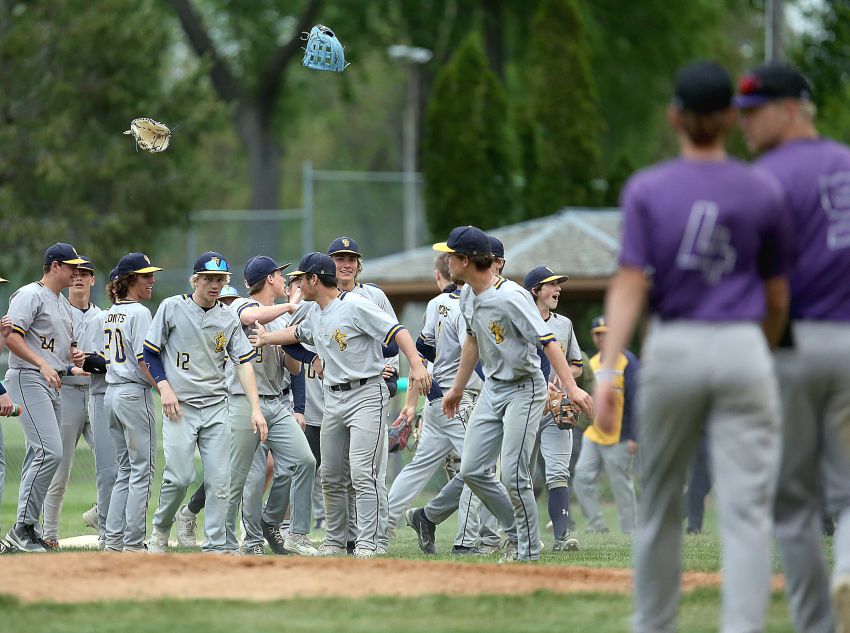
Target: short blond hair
<point x="193" y="280"/>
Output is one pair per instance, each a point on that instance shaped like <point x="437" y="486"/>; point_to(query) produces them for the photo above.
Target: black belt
<point x="348" y="386"/>
<point x="282" y="394"/>
<point x="62" y="373"/>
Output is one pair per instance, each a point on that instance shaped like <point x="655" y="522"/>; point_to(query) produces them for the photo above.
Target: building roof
<point x="581" y="243"/>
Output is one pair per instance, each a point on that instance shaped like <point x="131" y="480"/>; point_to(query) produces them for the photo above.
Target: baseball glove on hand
<point x="562" y="410"/>
<point x="399" y="435"/>
<point x="152" y="136"/>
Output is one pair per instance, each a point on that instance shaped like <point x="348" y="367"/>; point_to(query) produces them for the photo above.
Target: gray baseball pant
<point x="105" y="462"/>
<point x="719" y="376"/>
<point x="208" y="429"/>
<point x="440" y="436"/>
<point x="73" y="424"/>
<point x="275" y="507"/>
<point x="132" y="428"/>
<point x="617" y="463"/>
<point x="41" y="410"/>
<point x="815" y="379"/>
<point x="290" y="449"/>
<point x="556" y="447"/>
<point x="383" y="493"/>
<point x="353" y="428"/>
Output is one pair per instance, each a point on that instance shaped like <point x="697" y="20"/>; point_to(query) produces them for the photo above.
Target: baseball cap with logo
<point x="466" y="240"/>
<point x="599" y="324"/>
<point x="771" y="81"/>
<point x="211" y="263"/>
<point x="86" y="265"/>
<point x="542" y="275"/>
<point x="260" y="267"/>
<point x="344" y="245"/>
<point x="496" y="247"/>
<point x="138" y="263"/>
<point x="63" y="253"/>
<point x="315" y="264"/>
<point x="703" y="87"/>
<point x="3" y="281"/>
<point x="228" y="292"/>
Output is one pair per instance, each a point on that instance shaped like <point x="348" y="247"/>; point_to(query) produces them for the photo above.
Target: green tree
<point x="72" y="76"/>
<point x="468" y="151"/>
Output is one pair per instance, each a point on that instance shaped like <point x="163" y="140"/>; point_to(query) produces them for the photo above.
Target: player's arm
<point x="623" y="306"/>
<point x="418" y="374"/>
<point x="286" y="336"/>
<point x="245" y="371"/>
<point x="251" y="313"/>
<point x="777" y="299"/>
<point x="292" y="364"/>
<point x="15" y="343"/>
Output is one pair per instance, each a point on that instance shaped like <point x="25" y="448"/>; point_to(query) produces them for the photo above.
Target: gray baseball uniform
<point x="43" y="319"/>
<point x="313" y="410"/>
<point x="285" y="439"/>
<point x="74" y="424"/>
<point x="194" y="344"/>
<point x="132" y="424"/>
<point x="347" y="335"/>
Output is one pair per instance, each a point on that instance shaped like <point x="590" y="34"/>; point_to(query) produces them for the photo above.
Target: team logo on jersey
<point x="220" y="342"/>
<point x="498" y="332"/>
<point x="339" y="337"/>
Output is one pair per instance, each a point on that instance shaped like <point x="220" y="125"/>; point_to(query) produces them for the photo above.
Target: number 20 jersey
<point x="124" y="329"/>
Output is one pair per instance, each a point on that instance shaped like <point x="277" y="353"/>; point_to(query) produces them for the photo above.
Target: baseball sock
<point x="198" y="500"/>
<point x="559" y="510"/>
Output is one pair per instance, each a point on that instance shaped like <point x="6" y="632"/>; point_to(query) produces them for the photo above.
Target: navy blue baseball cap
<point x="260" y="267"/>
<point x="771" y="81"/>
<point x="599" y="324"/>
<point x="542" y="275"/>
<point x="86" y="265"/>
<point x="138" y="263"/>
<point x="315" y="264"/>
<point x="211" y="263"/>
<point x="703" y="88"/>
<point x="496" y="246"/>
<point x="466" y="240"/>
<point x="344" y="245"/>
<point x="63" y="253"/>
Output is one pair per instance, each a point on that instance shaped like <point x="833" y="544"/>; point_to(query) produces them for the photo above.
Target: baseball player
<point x="41" y="354"/>
<point x="777" y="118"/>
<point x="187" y="345"/>
<point x="504" y="330"/>
<point x="285" y="439"/>
<point x="713" y="235"/>
<point x="128" y="403"/>
<point x="556" y="444"/>
<point x="443" y="332"/>
<point x="75" y="405"/>
<point x="348" y="334"/>
<point x="6" y="409"/>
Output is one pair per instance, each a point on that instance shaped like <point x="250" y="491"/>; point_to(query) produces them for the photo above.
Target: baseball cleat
<point x="187" y="526"/>
<point x="362" y="552"/>
<point x="464" y="550"/>
<point x="488" y="550"/>
<point x="332" y="550"/>
<point x="90" y="517"/>
<point x="299" y="544"/>
<point x="509" y="552"/>
<point x="6" y="548"/>
<point x="841" y="604"/>
<point x="158" y="542"/>
<point x="566" y="544"/>
<point x="426" y="530"/>
<point x="50" y="544"/>
<point x="381" y="551"/>
<point x="274" y="538"/>
<point x="25" y="539"/>
<point x="141" y="549"/>
<point x="253" y="550"/>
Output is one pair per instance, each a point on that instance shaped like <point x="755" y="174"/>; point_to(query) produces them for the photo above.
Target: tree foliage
<point x="468" y="151"/>
<point x="72" y="76"/>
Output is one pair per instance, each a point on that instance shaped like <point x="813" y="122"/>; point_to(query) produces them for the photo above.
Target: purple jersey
<point x="708" y="233"/>
<point x="815" y="174"/>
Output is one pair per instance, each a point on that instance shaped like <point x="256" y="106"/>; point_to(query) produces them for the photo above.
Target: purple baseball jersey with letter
<point x="815" y="174"/>
<point x="708" y="233"/>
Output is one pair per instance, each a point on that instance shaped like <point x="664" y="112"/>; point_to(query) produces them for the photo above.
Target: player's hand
<point x="257" y="337"/>
<point x="302" y="421"/>
<point x="78" y="357"/>
<point x="258" y="424"/>
<point x="78" y="371"/>
<point x="632" y="446"/>
<point x="318" y="367"/>
<point x="295" y="294"/>
<point x="408" y="413"/>
<point x="170" y="405"/>
<point x="606" y="406"/>
<point x="5" y="326"/>
<point x="6" y="405"/>
<point x="581" y="399"/>
<point x="50" y="375"/>
<point x="420" y="377"/>
<point x="451" y="403"/>
<point x="389" y="372"/>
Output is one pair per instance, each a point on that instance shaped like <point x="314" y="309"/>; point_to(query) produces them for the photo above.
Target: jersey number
<point x="835" y="200"/>
<point x="48" y="345"/>
<point x="706" y="244"/>
<point x="183" y="361"/>
<point x="115" y="336"/>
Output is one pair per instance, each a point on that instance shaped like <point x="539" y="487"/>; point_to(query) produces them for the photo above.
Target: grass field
<point x="542" y="611"/>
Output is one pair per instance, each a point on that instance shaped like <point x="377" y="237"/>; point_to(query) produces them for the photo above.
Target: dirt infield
<point x="85" y="577"/>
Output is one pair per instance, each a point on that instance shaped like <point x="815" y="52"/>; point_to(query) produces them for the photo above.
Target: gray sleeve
<point x="140" y="323"/>
<point x="574" y="353"/>
<point x="22" y="311"/>
<point x="527" y="319"/>
<point x="304" y="331"/>
<point x="157" y="335"/>
<point x="378" y="325"/>
<point x="239" y="347"/>
<point x="429" y="325"/>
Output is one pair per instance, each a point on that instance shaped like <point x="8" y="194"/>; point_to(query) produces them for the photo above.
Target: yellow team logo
<point x="345" y="242"/>
<point x="339" y="337"/>
<point x="220" y="342"/>
<point x="498" y="332"/>
<point x="216" y="261"/>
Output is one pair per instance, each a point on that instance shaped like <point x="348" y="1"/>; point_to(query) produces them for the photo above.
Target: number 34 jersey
<point x="124" y="329"/>
<point x="43" y="318"/>
<point x="194" y="344"/>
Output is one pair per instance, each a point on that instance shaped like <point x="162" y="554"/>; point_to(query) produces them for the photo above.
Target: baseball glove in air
<point x="324" y="51"/>
<point x="562" y="410"/>
<point x="152" y="136"/>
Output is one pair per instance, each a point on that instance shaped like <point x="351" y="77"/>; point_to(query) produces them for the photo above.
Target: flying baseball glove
<point x="324" y="51"/>
<point x="562" y="410"/>
<point x="152" y="136"/>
